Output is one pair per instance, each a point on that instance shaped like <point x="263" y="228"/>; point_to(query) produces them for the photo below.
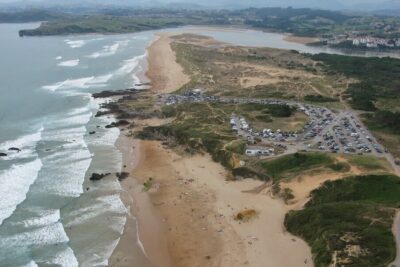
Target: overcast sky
<point x="329" y="4"/>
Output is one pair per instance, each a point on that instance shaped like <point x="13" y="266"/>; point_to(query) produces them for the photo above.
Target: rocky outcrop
<point x="118" y="124"/>
<point x="105" y="94"/>
<point x="14" y="149"/>
<point x="102" y="113"/>
<point x="143" y="84"/>
<point x="122" y="175"/>
<point x="98" y="176"/>
<point x="3" y="155"/>
<point x="92" y="132"/>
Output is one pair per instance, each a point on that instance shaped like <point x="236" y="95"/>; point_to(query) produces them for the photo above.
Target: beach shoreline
<point x="187" y="218"/>
<point x="300" y="39"/>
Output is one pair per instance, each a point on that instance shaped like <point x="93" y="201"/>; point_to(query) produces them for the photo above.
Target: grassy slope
<point x="280" y="73"/>
<point x="348" y="213"/>
<point x="294" y="163"/>
<point x="102" y="24"/>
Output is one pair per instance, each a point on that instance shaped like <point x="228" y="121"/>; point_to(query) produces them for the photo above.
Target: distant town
<point x="357" y="40"/>
<point x="380" y="34"/>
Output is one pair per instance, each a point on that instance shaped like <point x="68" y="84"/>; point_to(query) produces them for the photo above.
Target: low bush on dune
<point x="294" y="163"/>
<point x="349" y="221"/>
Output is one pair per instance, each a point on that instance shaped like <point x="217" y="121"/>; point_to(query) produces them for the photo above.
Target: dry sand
<point x="198" y="206"/>
<point x="300" y="39"/>
<point x="187" y="217"/>
<point x="164" y="72"/>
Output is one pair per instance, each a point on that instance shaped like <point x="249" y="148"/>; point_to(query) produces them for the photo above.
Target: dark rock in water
<point x="115" y="93"/>
<point x="112" y="125"/>
<point x="117" y="124"/>
<point x="14" y="149"/>
<point x="3" y="155"/>
<point x="102" y="113"/>
<point x="98" y="126"/>
<point x="98" y="176"/>
<point x="143" y="84"/>
<point x="48" y="149"/>
<point x="87" y="188"/>
<point x="122" y="122"/>
<point x="122" y="175"/>
<point x="92" y="132"/>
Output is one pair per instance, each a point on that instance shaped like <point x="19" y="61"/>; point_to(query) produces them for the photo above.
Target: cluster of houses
<point x="254" y="151"/>
<point x="372" y="42"/>
<point x="364" y="41"/>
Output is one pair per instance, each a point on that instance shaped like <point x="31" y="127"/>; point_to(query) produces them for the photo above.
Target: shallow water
<point x="255" y="38"/>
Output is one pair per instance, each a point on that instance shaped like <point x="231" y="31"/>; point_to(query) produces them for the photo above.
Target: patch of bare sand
<point x="303" y="185"/>
<point x="165" y="73"/>
<point x="198" y="206"/>
<point x="300" y="39"/>
<point x="265" y="241"/>
<point x="253" y="74"/>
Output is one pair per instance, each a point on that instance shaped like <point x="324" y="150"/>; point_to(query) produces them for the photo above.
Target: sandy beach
<point x="164" y="72"/>
<point x="300" y="39"/>
<point x="187" y="218"/>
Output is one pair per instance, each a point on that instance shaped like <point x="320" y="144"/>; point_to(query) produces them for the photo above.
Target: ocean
<point x="50" y="213"/>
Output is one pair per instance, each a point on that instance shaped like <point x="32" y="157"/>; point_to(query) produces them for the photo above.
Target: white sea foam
<point x="59" y="58"/>
<point x="68" y="165"/>
<point x="81" y="83"/>
<point x="71" y="125"/>
<point x="75" y="43"/>
<point x="104" y="204"/>
<point x="26" y="144"/>
<point x="30" y="264"/>
<point x="64" y="258"/>
<point x="15" y="183"/>
<point x="128" y="66"/>
<point x="95" y="39"/>
<point x="47" y="235"/>
<point x="110" y="136"/>
<point x="43" y="218"/>
<point x="69" y="63"/>
<point x="68" y="84"/>
<point x="109" y="50"/>
<point x="100" y="80"/>
<point x="140" y="37"/>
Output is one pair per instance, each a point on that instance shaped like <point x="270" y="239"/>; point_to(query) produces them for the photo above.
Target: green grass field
<point x="288" y="165"/>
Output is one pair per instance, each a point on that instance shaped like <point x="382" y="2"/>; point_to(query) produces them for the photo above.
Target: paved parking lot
<point x="332" y="131"/>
